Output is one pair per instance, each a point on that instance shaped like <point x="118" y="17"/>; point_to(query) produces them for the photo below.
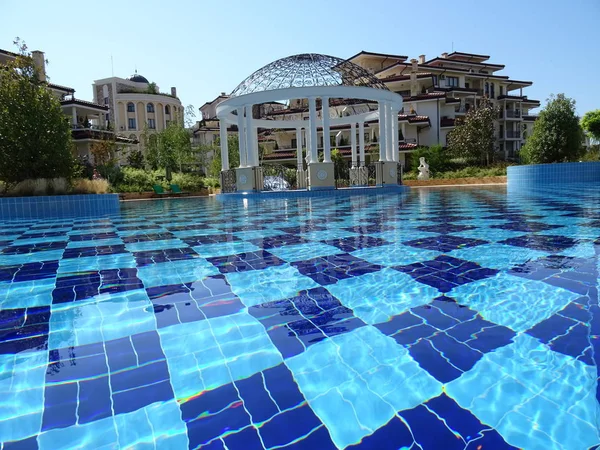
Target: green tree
<point x="233" y="144"/>
<point x="472" y="140"/>
<point x="35" y="137"/>
<point x="135" y="159"/>
<point x="169" y="149"/>
<point x="557" y="134"/>
<point x="591" y="123"/>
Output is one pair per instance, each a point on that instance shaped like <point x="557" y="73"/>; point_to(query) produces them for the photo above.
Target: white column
<point x="255" y="144"/>
<point x="382" y="132"/>
<point x="224" y="149"/>
<point x="389" y="137"/>
<point x="242" y="137"/>
<point x="74" y="114"/>
<point x="145" y="114"/>
<point x="312" y="122"/>
<point x="361" y="142"/>
<point x="252" y="158"/>
<point x="326" y="132"/>
<point x="353" y="143"/>
<point x="299" y="148"/>
<point x="395" y="156"/>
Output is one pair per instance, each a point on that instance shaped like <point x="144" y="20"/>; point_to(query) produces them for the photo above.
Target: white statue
<point x="423" y="170"/>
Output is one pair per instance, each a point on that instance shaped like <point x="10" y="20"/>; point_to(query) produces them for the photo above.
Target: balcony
<point x="513" y="134"/>
<point x="446" y="122"/>
<point x="510" y="114"/>
<point x="92" y="132"/>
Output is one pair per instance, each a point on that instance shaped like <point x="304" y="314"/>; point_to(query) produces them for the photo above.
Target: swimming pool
<point x="440" y="319"/>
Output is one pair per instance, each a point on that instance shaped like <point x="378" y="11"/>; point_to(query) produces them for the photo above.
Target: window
<point x="294" y="143"/>
<point x="150" y="107"/>
<point x="106" y="100"/>
<point x="501" y="90"/>
<point x="107" y="117"/>
<point x="167" y="109"/>
<point x="452" y="81"/>
<point x="435" y="80"/>
<point x="132" y="124"/>
<point x="130" y="107"/>
<point x="367" y="137"/>
<point x="487" y="89"/>
<point x="152" y="124"/>
<point x="467" y="85"/>
<point x="492" y="93"/>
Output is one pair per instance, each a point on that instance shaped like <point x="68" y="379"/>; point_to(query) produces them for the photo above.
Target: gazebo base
<point x="386" y="173"/>
<point x="321" y="176"/>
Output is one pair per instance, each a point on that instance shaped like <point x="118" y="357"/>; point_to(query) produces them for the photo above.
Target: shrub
<point x="437" y="158"/>
<point x="58" y="186"/>
<point x="188" y="181"/>
<point x="84" y="186"/>
<point x="212" y="182"/>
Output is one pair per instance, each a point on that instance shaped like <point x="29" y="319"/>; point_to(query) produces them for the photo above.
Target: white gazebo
<point x="311" y="76"/>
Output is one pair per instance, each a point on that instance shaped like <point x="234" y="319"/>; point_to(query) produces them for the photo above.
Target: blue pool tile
<point x="243" y="262"/>
<point x="176" y="272"/>
<point x="147" y="257"/>
<point x="24" y="329"/>
<point x="330" y="269"/>
<point x="444" y="243"/>
<point x="354" y="243"/>
<point x="302" y="252"/>
<point x="546" y="243"/>
<point x="393" y="435"/>
<point x="23" y="444"/>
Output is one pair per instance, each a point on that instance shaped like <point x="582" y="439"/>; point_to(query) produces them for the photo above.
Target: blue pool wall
<point x="57" y="206"/>
<point x="315" y="193"/>
<point x="545" y="175"/>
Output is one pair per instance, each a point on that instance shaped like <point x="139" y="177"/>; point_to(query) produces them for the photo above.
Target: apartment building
<point x="135" y="103"/>
<point x="436" y="92"/>
<point x="88" y="119"/>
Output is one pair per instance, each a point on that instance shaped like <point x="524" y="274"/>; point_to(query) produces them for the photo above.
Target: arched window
<point x="167" y="109"/>
<point x="130" y="107"/>
<point x="150" y="107"/>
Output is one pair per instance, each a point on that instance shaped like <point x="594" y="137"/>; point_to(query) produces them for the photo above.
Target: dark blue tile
<point x="393" y="435"/>
<point x="132" y="400"/>
<point x="23" y="444"/>
<point x="279" y="241"/>
<point x="245" y="261"/>
<point x="317" y="439"/>
<point x="29" y="271"/>
<point x="134" y="377"/>
<point x="330" y="269"/>
<point x="491" y="440"/>
<point x="458" y="419"/>
<point x="398" y="323"/>
<point x="574" y="343"/>
<point x="247" y="439"/>
<point x="445" y="228"/>
<point x="491" y="338"/>
<point x="148" y="257"/>
<point x="445" y="243"/>
<point x="282" y="387"/>
<point x="94" y="400"/>
<point x="434" y="317"/>
<point x="60" y="406"/>
<point x="407" y="336"/>
<point x="33" y="248"/>
<point x="526" y="226"/>
<point x="467" y="330"/>
<point x="290" y="425"/>
<point x="429" y="431"/>
<point x="353" y="243"/>
<point x="546" y="243"/>
<point x="120" y="354"/>
<point x="194" y="241"/>
<point x="550" y="328"/>
<point x="147" y="347"/>
<point x="94" y="251"/>
<point x="459" y="354"/>
<point x="431" y="360"/>
<point x="256" y="399"/>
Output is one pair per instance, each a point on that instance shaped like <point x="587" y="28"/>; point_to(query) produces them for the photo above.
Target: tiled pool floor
<point x="442" y="319"/>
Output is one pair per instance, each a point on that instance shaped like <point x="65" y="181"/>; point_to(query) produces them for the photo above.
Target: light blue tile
<point x="257" y="234"/>
<point x="211" y="353"/>
<point x="22" y="379"/>
<point x="325" y="235"/>
<point x="357" y="381"/>
<point x="176" y="272"/>
<point x="91" y="263"/>
<point x="302" y="252"/>
<point x="376" y="297"/>
<point x="224" y="249"/>
<point x="15" y="260"/>
<point x="500" y="300"/>
<point x="498" y="256"/>
<point x="155" y="245"/>
<point x="25" y="294"/>
<point x="100" y="434"/>
<point x="96" y="243"/>
<point x="254" y="287"/>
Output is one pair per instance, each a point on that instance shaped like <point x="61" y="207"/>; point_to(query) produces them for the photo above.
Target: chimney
<point x="174" y="91"/>
<point x="444" y="55"/>
<point x="414" y="65"/>
<point x="421" y="59"/>
<point x="414" y="87"/>
<point x="40" y="63"/>
<point x="223" y="94"/>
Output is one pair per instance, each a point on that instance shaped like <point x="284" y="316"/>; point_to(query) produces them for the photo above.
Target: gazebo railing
<point x="228" y="181"/>
<point x="277" y="177"/>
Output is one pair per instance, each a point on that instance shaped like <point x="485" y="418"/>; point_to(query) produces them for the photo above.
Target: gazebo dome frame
<point x="310" y="76"/>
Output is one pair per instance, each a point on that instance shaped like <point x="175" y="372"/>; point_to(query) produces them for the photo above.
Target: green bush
<point x="465" y="172"/>
<point x="437" y="158"/>
<point x="139" y="180"/>
<point x="212" y="182"/>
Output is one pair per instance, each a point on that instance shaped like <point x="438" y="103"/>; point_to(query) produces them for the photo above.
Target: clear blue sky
<point x="205" y="47"/>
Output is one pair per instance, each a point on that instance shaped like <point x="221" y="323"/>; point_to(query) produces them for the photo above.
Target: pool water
<point x="439" y="319"/>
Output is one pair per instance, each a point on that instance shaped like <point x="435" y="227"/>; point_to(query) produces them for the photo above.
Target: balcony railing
<point x="90" y="133"/>
<point x="513" y="134"/>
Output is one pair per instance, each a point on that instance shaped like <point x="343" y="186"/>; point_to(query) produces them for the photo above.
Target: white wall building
<point x="135" y="103"/>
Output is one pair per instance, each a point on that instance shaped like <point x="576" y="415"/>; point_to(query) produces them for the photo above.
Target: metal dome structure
<point x="307" y="78"/>
<point x="307" y="70"/>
